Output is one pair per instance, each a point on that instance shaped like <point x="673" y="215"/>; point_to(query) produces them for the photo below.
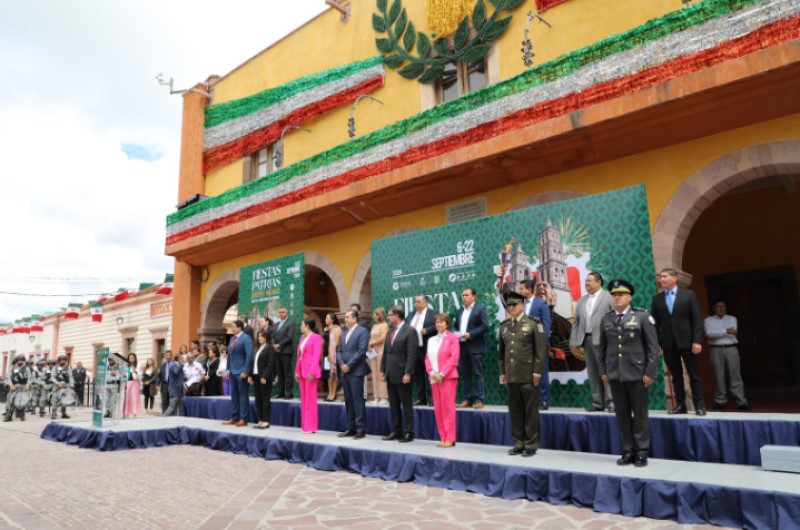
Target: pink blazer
<point x="448" y="357"/>
<point x="311" y="354"/>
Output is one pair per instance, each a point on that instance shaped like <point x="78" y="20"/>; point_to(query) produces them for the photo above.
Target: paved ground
<point x="49" y="485"/>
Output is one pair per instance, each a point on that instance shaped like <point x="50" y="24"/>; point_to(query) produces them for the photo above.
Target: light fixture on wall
<point x="120" y="321"/>
<point x="278" y="158"/>
<point x="169" y="82"/>
<point x="351" y="123"/>
<point x="527" y="44"/>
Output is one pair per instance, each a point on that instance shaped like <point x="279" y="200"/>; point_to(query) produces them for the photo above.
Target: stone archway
<point x="361" y="288"/>
<point x="547" y="197"/>
<point x="216" y="304"/>
<point x="699" y="191"/>
<point x="315" y="260"/>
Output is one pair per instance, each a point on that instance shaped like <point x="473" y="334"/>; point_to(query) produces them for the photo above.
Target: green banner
<point x="265" y="287"/>
<point x="101" y="362"/>
<point x="557" y="244"/>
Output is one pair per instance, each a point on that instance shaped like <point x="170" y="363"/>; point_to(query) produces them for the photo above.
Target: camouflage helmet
<point x="41" y="362"/>
<point x="62" y="357"/>
<point x="51" y="362"/>
<point x="19" y="357"/>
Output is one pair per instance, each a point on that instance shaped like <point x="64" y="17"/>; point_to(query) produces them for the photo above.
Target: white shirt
<point x="434" y="343"/>
<point x="255" y="359"/>
<point x="716" y="329"/>
<point x="589" y="310"/>
<point x="349" y="332"/>
<point x="417" y="323"/>
<point x="193" y="372"/>
<point x="465" y="318"/>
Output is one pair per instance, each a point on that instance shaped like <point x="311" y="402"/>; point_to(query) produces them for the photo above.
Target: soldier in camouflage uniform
<point x="33" y="386"/>
<point x="112" y="387"/>
<point x="628" y="363"/>
<point x="47" y="386"/>
<point x="17" y="380"/>
<point x="522" y="352"/>
<point x="38" y="399"/>
<point x="61" y="376"/>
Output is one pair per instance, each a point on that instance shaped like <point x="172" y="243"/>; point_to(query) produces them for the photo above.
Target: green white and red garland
<point x="237" y="128"/>
<point x="675" y="45"/>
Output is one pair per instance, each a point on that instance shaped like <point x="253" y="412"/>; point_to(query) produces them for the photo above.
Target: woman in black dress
<point x="262" y="372"/>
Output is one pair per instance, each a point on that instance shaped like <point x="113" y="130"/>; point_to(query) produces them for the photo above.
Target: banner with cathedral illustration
<point x="557" y="244"/>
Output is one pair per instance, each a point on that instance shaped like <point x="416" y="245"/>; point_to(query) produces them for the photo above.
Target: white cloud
<point x="80" y="83"/>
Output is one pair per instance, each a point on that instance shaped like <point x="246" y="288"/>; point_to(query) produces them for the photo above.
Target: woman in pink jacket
<point x="306" y="373"/>
<point x="441" y="363"/>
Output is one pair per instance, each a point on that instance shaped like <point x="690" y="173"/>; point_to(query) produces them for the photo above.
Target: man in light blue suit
<point x="537" y="308"/>
<point x="240" y="356"/>
<point x="351" y="358"/>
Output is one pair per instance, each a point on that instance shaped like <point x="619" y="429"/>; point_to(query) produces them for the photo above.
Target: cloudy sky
<point x="89" y="143"/>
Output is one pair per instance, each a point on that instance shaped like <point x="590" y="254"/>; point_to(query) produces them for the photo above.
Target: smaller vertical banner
<point x="101" y="362"/>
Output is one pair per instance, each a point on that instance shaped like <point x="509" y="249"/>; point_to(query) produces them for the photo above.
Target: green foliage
<point x="433" y="53"/>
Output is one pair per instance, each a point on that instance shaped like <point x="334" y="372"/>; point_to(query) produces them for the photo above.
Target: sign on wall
<point x="557" y="244"/>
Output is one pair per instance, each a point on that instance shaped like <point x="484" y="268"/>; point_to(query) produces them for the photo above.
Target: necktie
<point x="391" y="339"/>
<point x="619" y="318"/>
<point x="670" y="300"/>
<point x="233" y="343"/>
<point x="280" y="325"/>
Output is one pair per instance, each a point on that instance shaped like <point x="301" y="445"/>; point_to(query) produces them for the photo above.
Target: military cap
<point x="511" y="296"/>
<point x="620" y="286"/>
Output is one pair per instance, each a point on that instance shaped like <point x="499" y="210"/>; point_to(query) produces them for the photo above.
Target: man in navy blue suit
<point x="536" y="308"/>
<point x="176" y="380"/>
<point x="351" y="358"/>
<point x="240" y="356"/>
<point x="471" y="324"/>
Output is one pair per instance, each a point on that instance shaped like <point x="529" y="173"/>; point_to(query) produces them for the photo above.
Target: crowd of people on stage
<point x="419" y="359"/>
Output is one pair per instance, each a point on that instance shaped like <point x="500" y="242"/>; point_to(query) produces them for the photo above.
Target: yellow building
<point x="697" y="101"/>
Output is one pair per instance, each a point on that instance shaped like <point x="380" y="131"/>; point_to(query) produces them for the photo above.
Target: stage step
<point x="780" y="458"/>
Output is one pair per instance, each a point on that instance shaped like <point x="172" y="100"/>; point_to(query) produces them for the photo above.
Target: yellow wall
<point x="662" y="171"/>
<point x="325" y="42"/>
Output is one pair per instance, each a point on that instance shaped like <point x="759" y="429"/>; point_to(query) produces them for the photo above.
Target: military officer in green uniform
<point x="521" y="354"/>
<point x="628" y="363"/>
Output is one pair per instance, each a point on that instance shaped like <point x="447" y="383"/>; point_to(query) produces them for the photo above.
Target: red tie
<point x="233" y="343"/>
<point x="391" y="339"/>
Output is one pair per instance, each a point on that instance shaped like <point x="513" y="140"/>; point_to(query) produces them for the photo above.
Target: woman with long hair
<point x="149" y="384"/>
<point x="133" y="389"/>
<point x="306" y="373"/>
<point x="262" y="372"/>
<point x="331" y="337"/>
<point x="377" y="339"/>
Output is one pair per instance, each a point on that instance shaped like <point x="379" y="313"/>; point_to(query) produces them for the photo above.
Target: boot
<point x="41" y="413"/>
<point x="64" y="415"/>
<point x="22" y="415"/>
<point x="53" y="416"/>
<point x="7" y="417"/>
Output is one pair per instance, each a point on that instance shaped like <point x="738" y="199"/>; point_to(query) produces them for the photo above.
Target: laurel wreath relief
<point x="434" y="52"/>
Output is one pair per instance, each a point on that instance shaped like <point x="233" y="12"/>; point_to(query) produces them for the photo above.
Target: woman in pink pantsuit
<point x="306" y="373"/>
<point x="441" y="363"/>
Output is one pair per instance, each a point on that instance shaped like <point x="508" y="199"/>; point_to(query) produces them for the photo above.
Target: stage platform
<point x="719" y="437"/>
<point x="687" y="492"/>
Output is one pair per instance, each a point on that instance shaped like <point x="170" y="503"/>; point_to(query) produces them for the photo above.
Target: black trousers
<point x="285" y="372"/>
<point x="401" y="407"/>
<point x="523" y="411"/>
<point x="630" y="409"/>
<point x="263" y="393"/>
<point x="164" y="396"/>
<point x="421" y="380"/>
<point x="79" y="391"/>
<point x="149" y="398"/>
<point x="673" y="358"/>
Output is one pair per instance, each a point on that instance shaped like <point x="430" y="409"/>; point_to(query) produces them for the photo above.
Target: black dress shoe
<point x="358" y="436"/>
<point x="720" y="406"/>
<point x="407" y="438"/>
<point x="346" y="434"/>
<point x="641" y="460"/>
<point x="290" y="396"/>
<point x="515" y="451"/>
<point x="594" y="409"/>
<point x="700" y="412"/>
<point x="610" y="408"/>
<point x="280" y="396"/>
<point x="391" y="437"/>
<point x="744" y="406"/>
<point x="677" y="410"/>
<point x="528" y="452"/>
<point x="65" y="416"/>
<point x="626" y="458"/>
<point x="544" y="405"/>
<point x="419" y="403"/>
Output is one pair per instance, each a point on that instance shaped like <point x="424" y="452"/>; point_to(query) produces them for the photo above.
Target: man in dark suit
<point x="79" y="376"/>
<point x="471" y="324"/>
<point x="521" y="353"/>
<point x="397" y="369"/>
<point x="585" y="335"/>
<point x="537" y="309"/>
<point x="240" y="357"/>
<point x="680" y="333"/>
<point x="351" y="358"/>
<point x="247" y="327"/>
<point x="163" y="380"/>
<point x="628" y="363"/>
<point x="282" y="341"/>
<point x="423" y="322"/>
<point x="176" y="384"/>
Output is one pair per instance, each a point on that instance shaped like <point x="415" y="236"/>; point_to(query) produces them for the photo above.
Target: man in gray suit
<point x="629" y="362"/>
<point x="282" y="341"/>
<point x="585" y="337"/>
